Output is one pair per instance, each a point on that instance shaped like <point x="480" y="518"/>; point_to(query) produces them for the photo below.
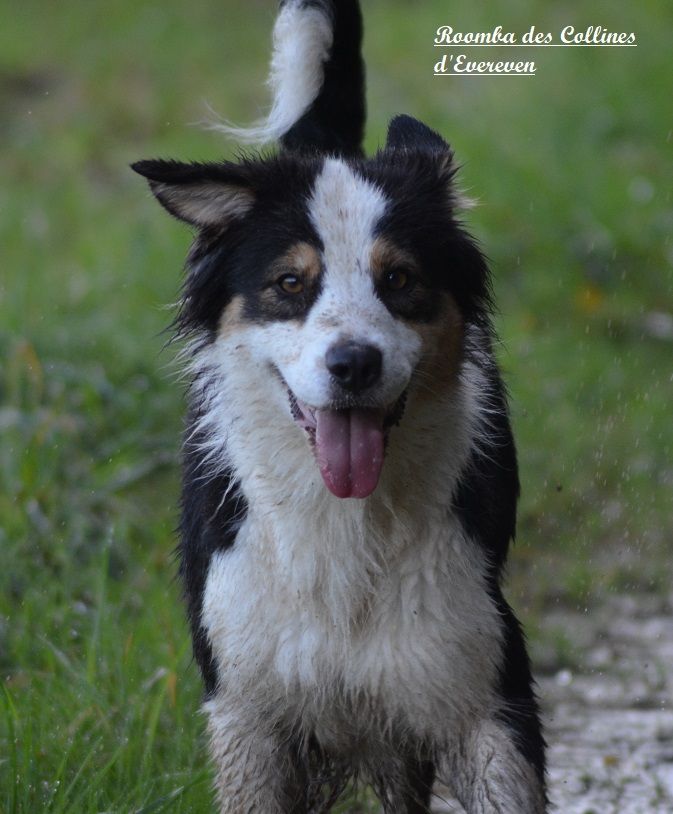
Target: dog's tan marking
<point x="442" y="350"/>
<point x="232" y="317"/>
<point x="301" y="258"/>
<point x="386" y="256"/>
<point x="442" y="337"/>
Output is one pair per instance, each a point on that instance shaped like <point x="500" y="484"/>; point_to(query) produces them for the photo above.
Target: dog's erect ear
<point x="407" y="133"/>
<point x="205" y="195"/>
<point x="414" y="141"/>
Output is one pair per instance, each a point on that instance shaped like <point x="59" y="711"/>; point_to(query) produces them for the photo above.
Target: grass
<point x="99" y="698"/>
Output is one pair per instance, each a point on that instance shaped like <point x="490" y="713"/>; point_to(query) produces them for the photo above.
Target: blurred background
<point x="573" y="172"/>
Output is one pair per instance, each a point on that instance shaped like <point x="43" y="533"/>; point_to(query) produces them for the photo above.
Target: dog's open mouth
<point x="349" y="444"/>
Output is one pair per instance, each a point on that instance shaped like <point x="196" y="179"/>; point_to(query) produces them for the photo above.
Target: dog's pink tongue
<point x="349" y="450"/>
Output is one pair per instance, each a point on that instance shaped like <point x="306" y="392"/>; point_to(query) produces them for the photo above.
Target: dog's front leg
<point x="490" y="775"/>
<point x="254" y="771"/>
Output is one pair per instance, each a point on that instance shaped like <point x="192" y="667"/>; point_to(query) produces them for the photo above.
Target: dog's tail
<point x="317" y="78"/>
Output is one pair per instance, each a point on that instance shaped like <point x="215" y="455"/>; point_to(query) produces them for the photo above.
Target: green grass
<point x="574" y="171"/>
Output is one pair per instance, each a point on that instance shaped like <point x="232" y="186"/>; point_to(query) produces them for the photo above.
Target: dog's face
<point x="348" y="282"/>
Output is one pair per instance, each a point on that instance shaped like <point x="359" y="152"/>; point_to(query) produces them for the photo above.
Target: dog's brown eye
<point x="397" y="279"/>
<point x="291" y="284"/>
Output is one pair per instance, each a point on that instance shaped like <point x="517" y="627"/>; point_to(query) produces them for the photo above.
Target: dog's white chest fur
<point x="357" y="609"/>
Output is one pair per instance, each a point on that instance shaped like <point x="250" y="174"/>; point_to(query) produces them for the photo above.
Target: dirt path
<point x="609" y="718"/>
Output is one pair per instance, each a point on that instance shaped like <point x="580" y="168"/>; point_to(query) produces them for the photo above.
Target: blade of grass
<point x="12" y="719"/>
<point x="92" y="649"/>
<point x="153" y="720"/>
<point x="90" y="754"/>
<point x="77" y="803"/>
<point x="170" y="798"/>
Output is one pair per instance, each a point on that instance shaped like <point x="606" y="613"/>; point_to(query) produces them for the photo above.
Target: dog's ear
<point x="204" y="195"/>
<point x="423" y="149"/>
<point x="407" y="133"/>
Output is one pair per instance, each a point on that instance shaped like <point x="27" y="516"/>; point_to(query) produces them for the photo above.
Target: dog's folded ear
<point x="204" y="195"/>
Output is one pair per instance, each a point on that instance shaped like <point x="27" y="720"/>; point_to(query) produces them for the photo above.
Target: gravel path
<point x="609" y="719"/>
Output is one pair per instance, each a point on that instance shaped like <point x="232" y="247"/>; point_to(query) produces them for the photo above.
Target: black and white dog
<point x="350" y="477"/>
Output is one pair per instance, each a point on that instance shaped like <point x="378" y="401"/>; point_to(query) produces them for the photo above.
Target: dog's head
<point x="351" y="280"/>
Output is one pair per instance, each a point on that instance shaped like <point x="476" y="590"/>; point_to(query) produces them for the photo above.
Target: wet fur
<point x="343" y="638"/>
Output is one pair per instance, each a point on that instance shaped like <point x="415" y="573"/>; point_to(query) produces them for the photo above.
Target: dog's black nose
<point x="355" y="367"/>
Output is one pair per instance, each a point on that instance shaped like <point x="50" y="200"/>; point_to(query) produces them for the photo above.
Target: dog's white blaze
<point x="302" y="39"/>
<point x="345" y="210"/>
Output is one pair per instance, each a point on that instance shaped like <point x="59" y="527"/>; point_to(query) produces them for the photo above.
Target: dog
<point x="350" y="477"/>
